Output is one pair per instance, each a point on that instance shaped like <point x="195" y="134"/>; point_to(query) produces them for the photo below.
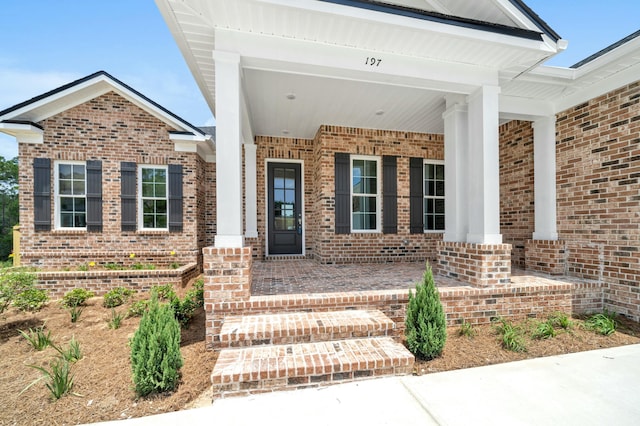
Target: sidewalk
<point x="588" y="388"/>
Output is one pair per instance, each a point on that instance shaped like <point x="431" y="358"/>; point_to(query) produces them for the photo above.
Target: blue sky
<point x="47" y="43"/>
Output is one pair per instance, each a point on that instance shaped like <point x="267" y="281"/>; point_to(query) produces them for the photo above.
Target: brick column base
<point x="546" y="256"/>
<point x="481" y="265"/>
<point x="227" y="278"/>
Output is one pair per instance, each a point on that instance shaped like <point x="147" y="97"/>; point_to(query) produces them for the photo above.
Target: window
<point x="153" y="201"/>
<point x="70" y="195"/>
<point x="433" y="203"/>
<point x="365" y="206"/>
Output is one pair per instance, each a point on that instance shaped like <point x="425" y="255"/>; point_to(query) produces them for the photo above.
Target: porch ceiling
<point x="318" y="50"/>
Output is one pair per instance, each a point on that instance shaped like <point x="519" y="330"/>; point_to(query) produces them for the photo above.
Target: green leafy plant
<point x="561" y="320"/>
<point x="137" y="309"/>
<point x="32" y="299"/>
<point x="117" y="297"/>
<point x="83" y="268"/>
<point x="75" y="312"/>
<point x="174" y="265"/>
<point x="37" y="338"/>
<point x="426" y="327"/>
<point x="197" y="292"/>
<point x="155" y="350"/>
<point x="72" y="353"/>
<point x="76" y="297"/>
<point x="116" y="319"/>
<point x="164" y="292"/>
<point x="603" y="323"/>
<point x="113" y="266"/>
<point x="466" y="329"/>
<point x="12" y="284"/>
<point x="183" y="309"/>
<point x="544" y="330"/>
<point x="59" y="378"/>
<point x="511" y="336"/>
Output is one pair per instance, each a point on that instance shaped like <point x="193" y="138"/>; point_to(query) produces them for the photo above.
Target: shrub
<point x="37" y="338"/>
<point x="197" y="292"/>
<point x="561" y="320"/>
<point x="117" y="297"/>
<point x="155" y="350"/>
<point x="466" y="329"/>
<point x="12" y="284"/>
<point x="32" y="299"/>
<point x="138" y="308"/>
<point x="183" y="309"/>
<point x="603" y="323"/>
<point x="76" y="297"/>
<point x="116" y="319"/>
<point x="426" y="327"/>
<point x="164" y="292"/>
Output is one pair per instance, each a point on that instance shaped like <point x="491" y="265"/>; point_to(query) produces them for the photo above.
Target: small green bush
<point x="138" y="308"/>
<point x="155" y="350"/>
<point x="75" y="312"/>
<point x="426" y="327"/>
<point x="511" y="336"/>
<point x="466" y="329"/>
<point x="76" y="297"/>
<point x="183" y="309"/>
<point x="197" y="292"/>
<point x="72" y="353"/>
<point x="60" y="379"/>
<point x="12" y="283"/>
<point x="116" y="319"/>
<point x="113" y="266"/>
<point x="544" y="330"/>
<point x="164" y="292"/>
<point x="116" y="297"/>
<point x="561" y="320"/>
<point x="32" y="299"/>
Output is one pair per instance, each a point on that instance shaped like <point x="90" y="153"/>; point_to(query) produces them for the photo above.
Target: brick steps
<point x="293" y="366"/>
<point x="299" y="327"/>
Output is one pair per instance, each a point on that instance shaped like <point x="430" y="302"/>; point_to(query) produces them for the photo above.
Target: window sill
<point x="152" y="231"/>
<point x="434" y="231"/>
<point x="69" y="231"/>
<point x="373" y="231"/>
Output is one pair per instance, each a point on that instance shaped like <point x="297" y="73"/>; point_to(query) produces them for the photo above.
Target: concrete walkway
<point x="599" y="387"/>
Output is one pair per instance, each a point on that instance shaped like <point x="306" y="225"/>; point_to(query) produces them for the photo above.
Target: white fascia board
<point x="203" y="149"/>
<point x="180" y="137"/>
<point x="520" y="19"/>
<point x="407" y="22"/>
<point x="289" y="55"/>
<point x="524" y="108"/>
<point x="626" y="50"/>
<point x="23" y="132"/>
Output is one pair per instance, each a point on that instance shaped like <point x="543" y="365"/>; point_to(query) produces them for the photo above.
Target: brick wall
<point x="598" y="166"/>
<point x="481" y="265"/>
<point x="517" y="211"/>
<point x="110" y="129"/>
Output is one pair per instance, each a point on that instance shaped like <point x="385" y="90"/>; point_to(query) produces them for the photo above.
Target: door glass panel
<point x="284" y="199"/>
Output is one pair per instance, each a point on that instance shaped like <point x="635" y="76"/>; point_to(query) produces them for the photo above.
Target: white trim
<point x="24" y="133"/>
<point x="433" y="231"/>
<point x="56" y="194"/>
<point x="266" y="198"/>
<point x="378" y="161"/>
<point x="140" y="200"/>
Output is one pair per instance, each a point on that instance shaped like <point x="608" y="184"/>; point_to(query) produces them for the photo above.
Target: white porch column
<point x="455" y="169"/>
<point x="544" y="167"/>
<point x="483" y="165"/>
<point x="228" y="150"/>
<point x="250" y="194"/>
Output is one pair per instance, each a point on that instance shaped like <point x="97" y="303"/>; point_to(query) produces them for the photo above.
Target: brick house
<point x="339" y="122"/>
<point x="106" y="172"/>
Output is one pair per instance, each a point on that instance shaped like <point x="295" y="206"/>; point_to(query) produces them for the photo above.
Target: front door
<point x="284" y="208"/>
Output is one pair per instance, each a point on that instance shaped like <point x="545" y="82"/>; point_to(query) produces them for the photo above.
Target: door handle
<point x="299" y="223"/>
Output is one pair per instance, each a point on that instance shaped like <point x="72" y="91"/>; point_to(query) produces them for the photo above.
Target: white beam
<point x="484" y="167"/>
<point x="229" y="232"/>
<point x="544" y="168"/>
<point x="251" y="197"/>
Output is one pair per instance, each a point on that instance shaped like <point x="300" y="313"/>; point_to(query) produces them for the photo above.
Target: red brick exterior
<point x="317" y="156"/>
<point x="546" y="256"/>
<point x="481" y="265"/>
<point x="111" y="129"/>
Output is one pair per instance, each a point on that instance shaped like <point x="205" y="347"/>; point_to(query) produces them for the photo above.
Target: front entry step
<point x="299" y="327"/>
<point x="293" y="366"/>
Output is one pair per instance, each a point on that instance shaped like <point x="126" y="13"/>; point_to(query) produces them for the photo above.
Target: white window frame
<point x="140" y="198"/>
<point x="378" y="194"/>
<point x="424" y="197"/>
<point x="57" y="195"/>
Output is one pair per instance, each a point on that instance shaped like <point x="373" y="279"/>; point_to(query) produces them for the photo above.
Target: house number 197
<point x="373" y="62"/>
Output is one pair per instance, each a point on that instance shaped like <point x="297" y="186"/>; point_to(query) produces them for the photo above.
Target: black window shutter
<point x="416" y="196"/>
<point x="343" y="193"/>
<point x="94" y="196"/>
<point x="128" y="197"/>
<point x="42" y="194"/>
<point x="389" y="195"/>
<point x="175" y="198"/>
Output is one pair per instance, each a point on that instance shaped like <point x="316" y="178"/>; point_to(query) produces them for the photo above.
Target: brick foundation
<point x="481" y="265"/>
<point x="546" y="256"/>
<point x="227" y="279"/>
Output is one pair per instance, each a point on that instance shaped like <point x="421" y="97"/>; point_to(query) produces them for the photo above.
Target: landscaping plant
<point x="117" y="297"/>
<point x="137" y="309"/>
<point x="511" y="336"/>
<point x="12" y="284"/>
<point x="426" y="326"/>
<point x="544" y="330"/>
<point x="116" y="319"/>
<point x="561" y="320"/>
<point x="155" y="350"/>
<point x="37" y="337"/>
<point x="31" y="299"/>
<point x="466" y="329"/>
<point x="72" y="353"/>
<point x="76" y="297"/>
<point x="603" y="323"/>
<point x="60" y="379"/>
